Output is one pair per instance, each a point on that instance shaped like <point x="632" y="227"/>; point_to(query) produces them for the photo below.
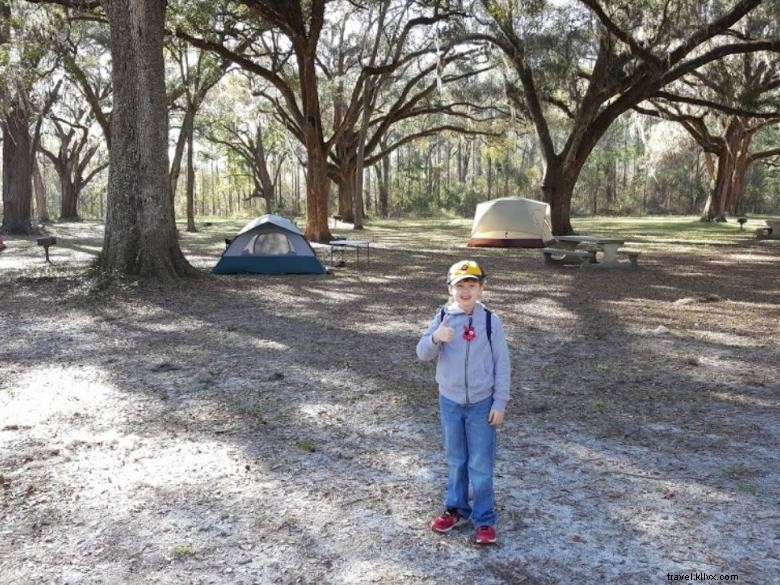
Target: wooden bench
<point x="564" y="256"/>
<point x="633" y="256"/>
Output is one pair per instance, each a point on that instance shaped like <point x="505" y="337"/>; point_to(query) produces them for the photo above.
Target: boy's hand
<point x="496" y="418"/>
<point x="445" y="333"/>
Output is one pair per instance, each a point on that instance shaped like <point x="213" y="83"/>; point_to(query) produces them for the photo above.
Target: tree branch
<point x="248" y="65"/>
<point x="613" y="28"/>
<point x="717" y="53"/>
<point x="430" y="131"/>
<point x="765" y="154"/>
<point x="714" y="105"/>
<point x="710" y="30"/>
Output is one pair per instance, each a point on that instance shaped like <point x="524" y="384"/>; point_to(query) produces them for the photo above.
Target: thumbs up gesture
<point x="444" y="333"/>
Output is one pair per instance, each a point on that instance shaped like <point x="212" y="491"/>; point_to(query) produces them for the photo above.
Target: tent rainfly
<point x="511" y="222"/>
<point x="269" y="245"/>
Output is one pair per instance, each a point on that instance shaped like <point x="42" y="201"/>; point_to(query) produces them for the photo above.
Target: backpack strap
<point x="489" y="325"/>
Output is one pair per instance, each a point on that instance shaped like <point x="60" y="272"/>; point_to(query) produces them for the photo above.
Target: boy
<point x="473" y="373"/>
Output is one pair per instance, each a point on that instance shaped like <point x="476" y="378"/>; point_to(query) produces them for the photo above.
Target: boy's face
<point x="467" y="292"/>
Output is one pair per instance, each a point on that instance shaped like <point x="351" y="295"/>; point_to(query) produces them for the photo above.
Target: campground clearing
<point x="248" y="429"/>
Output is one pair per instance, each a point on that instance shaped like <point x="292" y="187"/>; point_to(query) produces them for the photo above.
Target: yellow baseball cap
<point x="463" y="270"/>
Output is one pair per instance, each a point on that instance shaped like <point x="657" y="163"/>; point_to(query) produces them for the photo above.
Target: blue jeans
<point x="470" y="447"/>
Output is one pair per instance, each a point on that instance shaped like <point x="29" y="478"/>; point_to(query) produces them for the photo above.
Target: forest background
<point x="386" y="108"/>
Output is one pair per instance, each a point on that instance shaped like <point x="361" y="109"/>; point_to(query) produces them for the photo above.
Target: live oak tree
<point x="81" y="51"/>
<point x="26" y="64"/>
<point x="246" y="141"/>
<point x="392" y="72"/>
<point x="728" y="139"/>
<point x="298" y="24"/>
<point x="724" y="106"/>
<point x="73" y="154"/>
<point x="288" y="58"/>
<point x="140" y="233"/>
<point x="590" y="62"/>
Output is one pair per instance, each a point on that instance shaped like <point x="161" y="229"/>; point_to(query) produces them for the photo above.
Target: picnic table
<point x="609" y="246"/>
<point x="771" y="232"/>
<point x="356" y="244"/>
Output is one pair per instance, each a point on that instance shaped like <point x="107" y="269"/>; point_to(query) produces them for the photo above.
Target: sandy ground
<point x="246" y="430"/>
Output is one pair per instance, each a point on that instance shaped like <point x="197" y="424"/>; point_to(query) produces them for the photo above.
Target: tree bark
<point x="39" y="193"/>
<point x="187" y="128"/>
<point x="140" y="236"/>
<point x="382" y="169"/>
<point x="190" y="183"/>
<point x="69" y="203"/>
<point x="358" y="202"/>
<point x="317" y="195"/>
<point x="741" y="164"/>
<point x="346" y="185"/>
<point x="318" y="182"/>
<point x="557" y="188"/>
<point x="17" y="171"/>
<point x="715" y="208"/>
<point x="261" y="170"/>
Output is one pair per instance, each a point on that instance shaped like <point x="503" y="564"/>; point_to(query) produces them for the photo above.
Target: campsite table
<point x="356" y="244"/>
<point x="770" y="232"/>
<point x="609" y="246"/>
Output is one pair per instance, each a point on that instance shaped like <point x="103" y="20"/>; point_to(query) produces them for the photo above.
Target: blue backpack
<point x="488" y="323"/>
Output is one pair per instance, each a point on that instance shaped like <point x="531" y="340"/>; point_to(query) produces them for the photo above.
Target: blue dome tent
<point x="270" y="244"/>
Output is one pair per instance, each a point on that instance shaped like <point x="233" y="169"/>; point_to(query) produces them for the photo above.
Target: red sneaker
<point x="486" y="535"/>
<point x="446" y="521"/>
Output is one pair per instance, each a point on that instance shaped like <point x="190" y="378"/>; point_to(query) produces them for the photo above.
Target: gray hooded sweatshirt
<point x="470" y="371"/>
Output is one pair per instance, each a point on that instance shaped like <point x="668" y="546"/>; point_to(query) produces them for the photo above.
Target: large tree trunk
<point x="70" y="194"/>
<point x="39" y="193"/>
<point x="721" y="193"/>
<point x="346" y="185"/>
<point x="261" y="163"/>
<point x="17" y="171"/>
<point x="317" y="180"/>
<point x="741" y="164"/>
<point x="140" y="236"/>
<point x="557" y="188"/>
<point x="317" y="195"/>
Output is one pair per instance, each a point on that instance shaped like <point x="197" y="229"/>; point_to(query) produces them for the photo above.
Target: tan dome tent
<point x="511" y="222"/>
